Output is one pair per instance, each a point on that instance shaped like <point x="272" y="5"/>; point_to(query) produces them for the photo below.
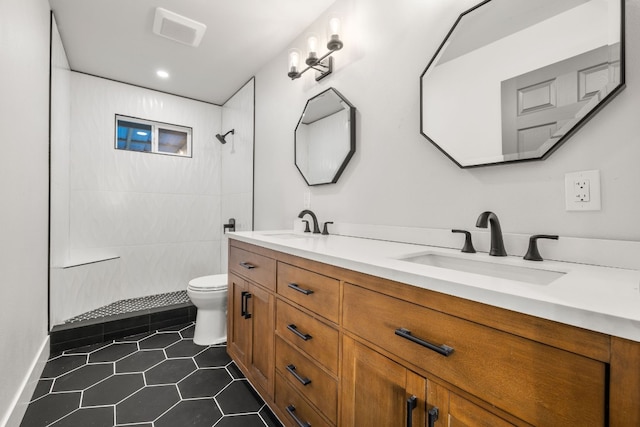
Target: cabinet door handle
<point x="295" y="287"/>
<point x="444" y="350"/>
<point x="303" y="380"/>
<point x="432" y="416"/>
<point x="247" y="265"/>
<point x="243" y="303"/>
<point x="412" y="402"/>
<point x="244" y="311"/>
<point x="291" y="410"/>
<point x="293" y="328"/>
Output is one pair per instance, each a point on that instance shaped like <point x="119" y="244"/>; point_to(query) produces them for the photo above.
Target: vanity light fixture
<point x="324" y="64"/>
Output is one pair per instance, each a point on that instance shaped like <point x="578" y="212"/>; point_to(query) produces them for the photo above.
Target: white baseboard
<point x="14" y="417"/>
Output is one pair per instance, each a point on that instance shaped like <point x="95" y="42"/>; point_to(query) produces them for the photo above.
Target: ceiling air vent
<point x="178" y="28"/>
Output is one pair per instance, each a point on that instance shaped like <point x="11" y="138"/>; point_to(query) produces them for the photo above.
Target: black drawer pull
<point x="412" y="402"/>
<point x="244" y="310"/>
<point x="292" y="370"/>
<point x="432" y="416"/>
<point x="291" y="410"/>
<point x="444" y="350"/>
<point x="295" y="330"/>
<point x="295" y="287"/>
<point x="247" y="265"/>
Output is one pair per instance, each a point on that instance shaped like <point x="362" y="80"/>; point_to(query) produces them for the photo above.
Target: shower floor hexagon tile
<point x="157" y="379"/>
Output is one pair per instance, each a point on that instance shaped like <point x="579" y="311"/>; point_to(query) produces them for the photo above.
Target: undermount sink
<point x="492" y="269"/>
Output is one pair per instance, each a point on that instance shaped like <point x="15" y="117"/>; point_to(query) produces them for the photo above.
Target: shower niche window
<point x="147" y="136"/>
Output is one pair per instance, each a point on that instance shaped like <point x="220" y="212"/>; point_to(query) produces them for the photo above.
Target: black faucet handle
<point x="325" y="231"/>
<point x="306" y="226"/>
<point x="533" y="254"/>
<point x="468" y="245"/>
<point x="231" y="225"/>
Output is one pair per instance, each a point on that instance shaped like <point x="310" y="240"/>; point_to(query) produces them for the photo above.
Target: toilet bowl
<point x="209" y="295"/>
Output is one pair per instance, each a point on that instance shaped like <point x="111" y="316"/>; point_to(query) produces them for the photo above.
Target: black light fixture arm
<point x="325" y="67"/>
<point x="324" y="64"/>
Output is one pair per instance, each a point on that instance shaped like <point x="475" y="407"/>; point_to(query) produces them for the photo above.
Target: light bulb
<point x="333" y="36"/>
<point x="294" y="63"/>
<point x="334" y="26"/>
<point x="312" y="45"/>
<point x="312" y="50"/>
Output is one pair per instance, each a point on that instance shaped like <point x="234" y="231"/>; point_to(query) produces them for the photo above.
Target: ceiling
<point x="114" y="39"/>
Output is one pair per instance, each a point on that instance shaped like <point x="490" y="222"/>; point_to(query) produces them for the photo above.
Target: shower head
<point x="221" y="137"/>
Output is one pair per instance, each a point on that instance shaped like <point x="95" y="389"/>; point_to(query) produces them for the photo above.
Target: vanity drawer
<point x="257" y="268"/>
<point x="308" y="334"/>
<point x="515" y="374"/>
<point x="313" y="291"/>
<point x="308" y="379"/>
<point x="297" y="411"/>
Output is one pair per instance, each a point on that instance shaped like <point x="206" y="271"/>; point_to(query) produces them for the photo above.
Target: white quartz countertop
<point x="601" y="299"/>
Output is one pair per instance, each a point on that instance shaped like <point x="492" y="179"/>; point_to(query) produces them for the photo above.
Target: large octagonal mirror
<point x="325" y="137"/>
<point x="514" y="79"/>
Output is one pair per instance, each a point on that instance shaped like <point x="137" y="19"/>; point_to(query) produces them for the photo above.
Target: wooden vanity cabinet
<point x="455" y="411"/>
<point x="383" y="353"/>
<point x="376" y="391"/>
<point x="512" y="373"/>
<point x="307" y="345"/>
<point x="250" y="317"/>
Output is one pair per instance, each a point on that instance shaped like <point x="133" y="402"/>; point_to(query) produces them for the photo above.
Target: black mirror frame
<point x="562" y="139"/>
<point x="352" y="137"/>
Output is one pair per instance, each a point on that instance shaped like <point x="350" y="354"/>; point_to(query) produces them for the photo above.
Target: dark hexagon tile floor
<point x="157" y="379"/>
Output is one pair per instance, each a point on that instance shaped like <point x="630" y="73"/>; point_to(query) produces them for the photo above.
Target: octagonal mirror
<point x="514" y="79"/>
<point x="325" y="137"/>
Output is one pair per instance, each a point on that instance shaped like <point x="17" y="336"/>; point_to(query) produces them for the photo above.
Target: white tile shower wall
<point x="237" y="163"/>
<point x="160" y="214"/>
<point x="60" y="138"/>
<point x="149" y="269"/>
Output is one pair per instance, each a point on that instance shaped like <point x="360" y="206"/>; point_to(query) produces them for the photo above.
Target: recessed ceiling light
<point x="162" y="74"/>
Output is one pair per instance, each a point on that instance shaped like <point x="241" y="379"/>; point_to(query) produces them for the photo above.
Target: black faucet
<point x="497" y="245"/>
<point x="316" y="228"/>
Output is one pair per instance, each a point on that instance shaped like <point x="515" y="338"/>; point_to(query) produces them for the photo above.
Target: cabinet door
<point x="238" y="324"/>
<point x="456" y="411"/>
<point x="376" y="391"/>
<point x="260" y="307"/>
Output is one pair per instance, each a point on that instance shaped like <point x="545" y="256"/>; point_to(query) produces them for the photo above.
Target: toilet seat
<point x="215" y="282"/>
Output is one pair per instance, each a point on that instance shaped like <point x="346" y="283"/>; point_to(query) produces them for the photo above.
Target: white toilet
<point x="209" y="295"/>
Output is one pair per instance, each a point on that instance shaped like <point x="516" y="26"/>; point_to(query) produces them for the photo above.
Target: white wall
<point x="159" y="214"/>
<point x="397" y="177"/>
<point x="237" y="162"/>
<point x="60" y="148"/>
<point x="24" y="189"/>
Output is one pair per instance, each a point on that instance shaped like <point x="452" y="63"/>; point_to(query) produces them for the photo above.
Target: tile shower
<point x="127" y="224"/>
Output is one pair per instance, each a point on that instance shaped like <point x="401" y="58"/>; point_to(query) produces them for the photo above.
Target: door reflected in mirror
<point x="325" y="138"/>
<point x="515" y="78"/>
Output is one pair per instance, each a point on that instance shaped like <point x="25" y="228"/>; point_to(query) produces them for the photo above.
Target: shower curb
<point x="107" y="328"/>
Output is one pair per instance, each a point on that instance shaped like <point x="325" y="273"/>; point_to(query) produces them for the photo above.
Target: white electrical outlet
<point x="582" y="191"/>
